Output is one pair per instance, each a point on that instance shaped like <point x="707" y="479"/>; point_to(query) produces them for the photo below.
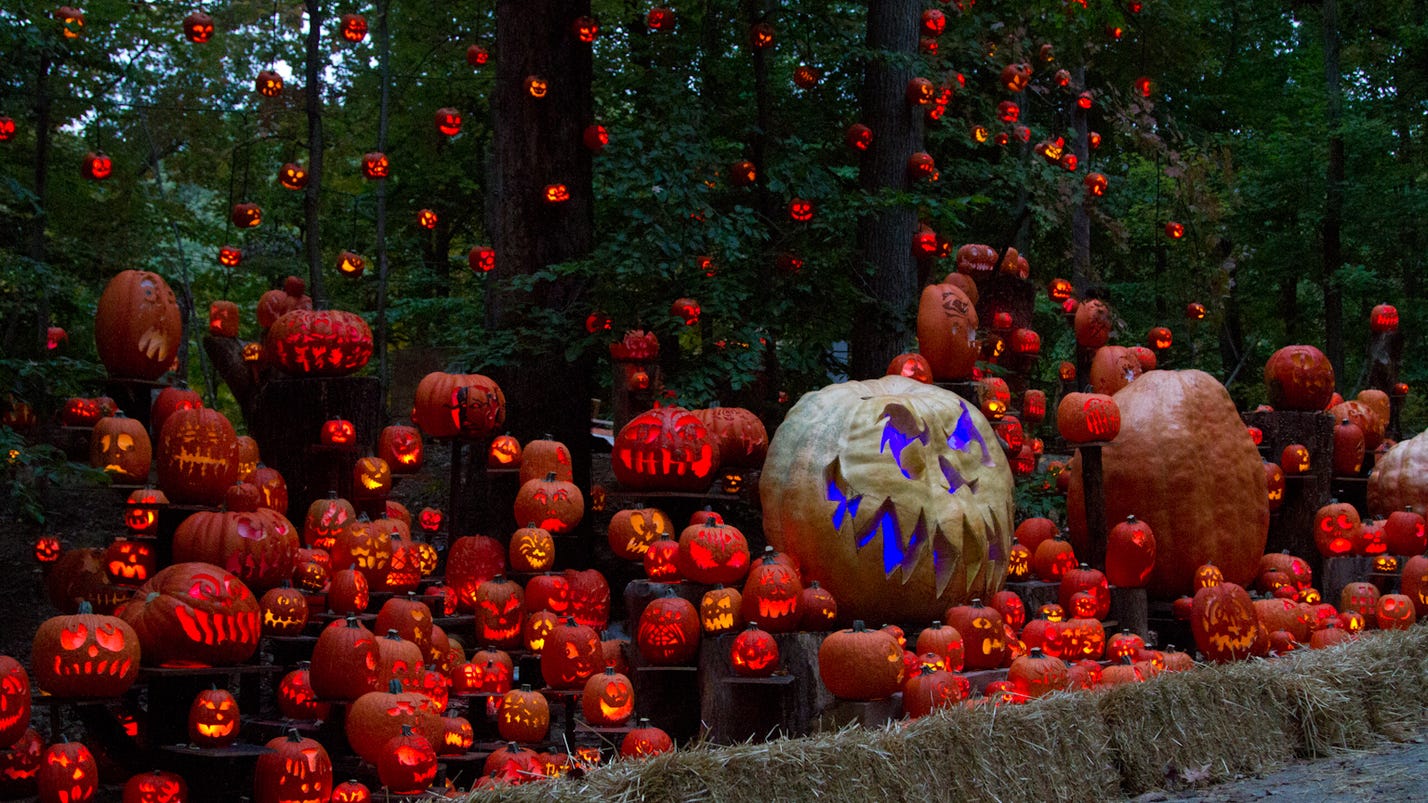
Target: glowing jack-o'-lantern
<point x="909" y="478"/>
<point x="14" y="700"/>
<point x="67" y="773"/>
<point x="198" y="27"/>
<point x="371" y="478"/>
<point x="719" y="610"/>
<point x="754" y="652"/>
<point x="608" y="699"/>
<point x="351" y="792"/>
<point x="532" y="549"/>
<point x="633" y="530"/>
<point x="338" y="432"/>
<point x="912" y="366"/>
<point x="130" y="561"/>
<point x="284" y="611"/>
<point x="213" y="718"/>
<point x="500" y="612"/>
<point x="138" y="326"/>
<point x="222" y="317"/>
<point x="773" y="595"/>
<point x="141" y="510"/>
<point x="572" y="654"/>
<point x="712" y="552"/>
<point x="353" y="27"/>
<point x="350" y="263"/>
<point x="194" y="614"/>
<point x="198" y="451"/>
<point x="120" y="446"/>
<point x="318" y="343"/>
<point x="983" y="634"/>
<point x="448" y="121"/>
<point x="297" y="700"/>
<point x="1224" y="623"/>
<point x="96" y="166"/>
<point x="376" y="165"/>
<point x="401" y="447"/>
<point x="1130" y="553"/>
<point x="585" y="29"/>
<point x="505" y="452"/>
<point x="259" y="546"/>
<point x="85" y="655"/>
<point x="668" y="632"/>
<point x="47" y="549"/>
<point x="555" y="505"/>
<point x="406" y="763"/>
<point x="667" y="448"/>
<point x="524" y="716"/>
<point x="294" y="769"/>
<point x="325" y="520"/>
<point x="292" y="176"/>
<point x="1337" y="528"/>
<point x="156" y="787"/>
<point x="268" y="84"/>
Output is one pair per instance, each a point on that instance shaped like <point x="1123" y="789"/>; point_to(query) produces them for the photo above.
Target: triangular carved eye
<point x="901" y="429"/>
<point x="965" y="433"/>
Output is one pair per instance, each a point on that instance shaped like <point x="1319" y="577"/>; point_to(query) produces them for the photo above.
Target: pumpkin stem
<point x="394" y="687"/>
<point x="86" y="608"/>
<point x="858" y="626"/>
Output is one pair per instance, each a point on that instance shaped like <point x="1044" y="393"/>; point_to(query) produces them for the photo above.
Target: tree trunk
<point x="384" y="44"/>
<point x="38" y="252"/>
<point x="881" y="328"/>
<point x="535" y="145"/>
<point x="1080" y="218"/>
<point x="1333" y="196"/>
<point x="312" y="240"/>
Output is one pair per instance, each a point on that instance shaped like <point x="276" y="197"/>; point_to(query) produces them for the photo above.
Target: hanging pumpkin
<point x="892" y="495"/>
<point x="138" y="326"/>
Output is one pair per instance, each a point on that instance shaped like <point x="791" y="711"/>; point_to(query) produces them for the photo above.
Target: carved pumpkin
<point x="157" y="786"/>
<point x="465" y="405"/>
<point x="367" y="546"/>
<point x="1212" y="507"/>
<point x="130" y="562"/>
<point x="608" y="699"/>
<point x="1088" y="418"/>
<point x="278" y="302"/>
<point x="911" y="365"/>
<point x="772" y="595"/>
<point x="505" y="452"/>
<point x="297" y="700"/>
<point x="555" y="505"/>
<point x="194" y="614"/>
<point x="213" y="718"/>
<point x="318" y="343"/>
<point x="523" y="716"/>
<point x="668" y="631"/>
<point x="1299" y="377"/>
<point x="1337" y="529"/>
<point x="666" y="448"/>
<point x="818" y="609"/>
<point x="284" y="611"/>
<point x="719" y="610"/>
<point x="983" y="634"/>
<point x="67" y="774"/>
<point x="1083" y="578"/>
<point x="661" y="560"/>
<point x="500" y="612"/>
<point x="401" y="447"/>
<point x="542" y="456"/>
<point x="197" y="456"/>
<point x="945" y="643"/>
<point x="532" y="550"/>
<point x="1224" y="622"/>
<point x="632" y="530"/>
<point x="294" y="770"/>
<point x="138" y="326"/>
<point x="377" y="716"/>
<point x="645" y="740"/>
<point x="947" y="331"/>
<point x="742" y="439"/>
<point x="259" y="547"/>
<point x="14" y="700"/>
<point x="712" y="553"/>
<point x="893" y="496"/>
<point x="348" y="592"/>
<point x="121" y="447"/>
<point x="571" y="655"/>
<point x="1130" y="553"/>
<point x="19" y="764"/>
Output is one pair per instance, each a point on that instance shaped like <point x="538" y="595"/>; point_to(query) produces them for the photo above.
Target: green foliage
<point x="26" y="469"/>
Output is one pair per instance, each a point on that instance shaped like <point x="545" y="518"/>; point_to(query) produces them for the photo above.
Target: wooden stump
<point x="289" y="414"/>
<point x="1291" y="527"/>
<point x="1130" y="609"/>
<point x="736" y="709"/>
<point x="1339" y="572"/>
<point x="665" y="695"/>
<point x="873" y="714"/>
<point x="1034" y="594"/>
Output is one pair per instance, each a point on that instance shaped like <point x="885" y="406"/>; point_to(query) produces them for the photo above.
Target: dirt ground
<point x="1394" y="771"/>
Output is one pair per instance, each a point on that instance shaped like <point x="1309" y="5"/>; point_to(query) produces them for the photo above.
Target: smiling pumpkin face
<point x="894" y="496"/>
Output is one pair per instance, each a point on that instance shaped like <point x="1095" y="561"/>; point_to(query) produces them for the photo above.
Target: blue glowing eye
<point x="965" y="433"/>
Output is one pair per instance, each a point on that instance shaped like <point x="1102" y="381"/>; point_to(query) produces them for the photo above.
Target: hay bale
<point x="1383" y="674"/>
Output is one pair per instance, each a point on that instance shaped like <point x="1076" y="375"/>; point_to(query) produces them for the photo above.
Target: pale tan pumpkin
<point x="1400" y="478"/>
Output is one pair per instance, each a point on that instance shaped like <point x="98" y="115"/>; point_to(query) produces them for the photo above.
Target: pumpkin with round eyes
<point x="893" y="495"/>
<point x="14" y="700"/>
<point x="85" y="655"/>
<point x="284" y="611"/>
<point x="213" y="718"/>
<point x="632" y="530"/>
<point x="1337" y="528"/>
<point x="121" y="447"/>
<point x="554" y="505"/>
<point x="572" y="654"/>
<point x="666" y="448"/>
<point x="194" y="614"/>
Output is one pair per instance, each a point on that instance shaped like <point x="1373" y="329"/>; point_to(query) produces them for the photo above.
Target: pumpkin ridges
<point x="138" y="326"/>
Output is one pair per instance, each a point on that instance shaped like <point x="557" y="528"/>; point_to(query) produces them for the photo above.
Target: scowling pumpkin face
<point x="894" y="496"/>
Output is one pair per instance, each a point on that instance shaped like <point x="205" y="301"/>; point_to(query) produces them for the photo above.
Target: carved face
<point x="661" y="560"/>
<point x="665" y="446"/>
<point x="500" y="612"/>
<point x="571" y="655"/>
<point x="194" y="614"/>
<point x="668" y="632"/>
<point x="351" y="792"/>
<point x="549" y="592"/>
<point x="130" y="562"/>
<point x="375" y="165"/>
<point x="69" y="766"/>
<point x="213" y="719"/>
<point x="14" y="700"/>
<point x="85" y="655"/>
<point x="372" y="478"/>
<point x="337" y="432"/>
<point x="297" y="700"/>
<point x="754" y="653"/>
<point x="199" y="456"/>
<point x="537" y="87"/>
<point x="1337" y="528"/>
<point x="713" y="553"/>
<point x="719" y="611"/>
<point x="306" y="771"/>
<point x="555" y="506"/>
<point x="772" y="595"/>
<point x="353" y="27"/>
<point x="326" y="519"/>
<point x="1224" y="622"/>
<point x="532" y="550"/>
<point x="284" y="612"/>
<point x="632" y="530"/>
<point x="292" y="176"/>
<point x="505" y="452"/>
<point x="47" y="549"/>
<point x="156" y="787"/>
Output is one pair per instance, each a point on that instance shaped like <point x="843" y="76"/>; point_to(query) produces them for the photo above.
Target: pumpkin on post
<point x="138" y="326"/>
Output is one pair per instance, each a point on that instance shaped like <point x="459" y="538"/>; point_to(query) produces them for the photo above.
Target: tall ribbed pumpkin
<point x="138" y="326"/>
<point x="894" y="495"/>
<point x="1184" y="463"/>
<point x="1400" y="478"/>
<point x="947" y="331"/>
<point x="198" y="456"/>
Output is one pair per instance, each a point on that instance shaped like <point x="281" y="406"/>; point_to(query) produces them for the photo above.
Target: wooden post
<point x="1095" y="495"/>
<point x="1291" y="526"/>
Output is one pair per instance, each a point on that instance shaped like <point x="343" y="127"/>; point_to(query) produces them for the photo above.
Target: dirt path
<point x="1395" y="771"/>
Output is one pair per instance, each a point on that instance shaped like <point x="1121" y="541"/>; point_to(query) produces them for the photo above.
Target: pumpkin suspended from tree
<point x="892" y="494"/>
